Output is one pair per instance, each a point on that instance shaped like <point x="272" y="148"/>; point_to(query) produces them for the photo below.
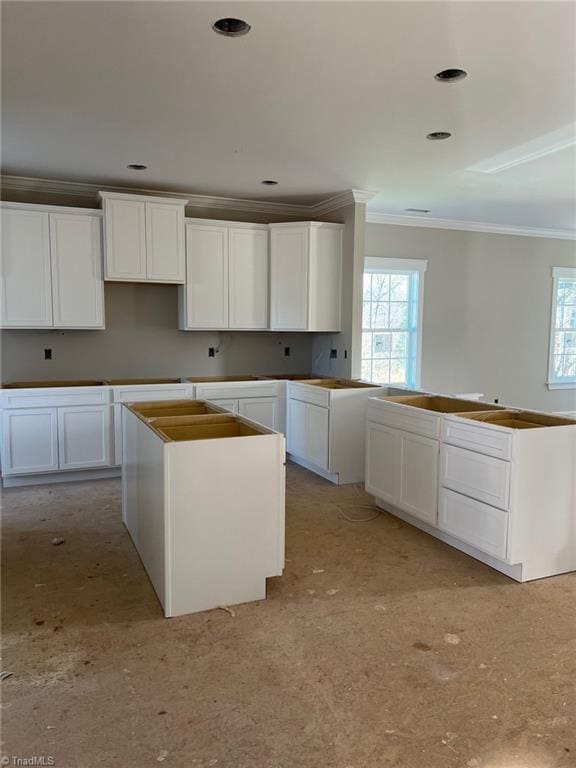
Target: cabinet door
<point x="84" y="436"/>
<point x="77" y="285"/>
<point x="26" y="280"/>
<point x="29" y="441"/>
<point x="296" y="437"/>
<point x="125" y="239"/>
<point x="165" y="255"/>
<point x="418" y="493"/>
<point x="260" y="409"/>
<point x="325" y="279"/>
<point x="382" y="462"/>
<point x="289" y="279"/>
<point x="248" y="278"/>
<point x="317" y="435"/>
<point x="206" y="290"/>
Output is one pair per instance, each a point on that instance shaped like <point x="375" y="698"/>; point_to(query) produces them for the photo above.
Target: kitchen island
<point x="203" y="500"/>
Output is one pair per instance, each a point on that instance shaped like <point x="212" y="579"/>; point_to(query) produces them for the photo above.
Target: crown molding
<point x="89" y="192"/>
<point x="469" y="226"/>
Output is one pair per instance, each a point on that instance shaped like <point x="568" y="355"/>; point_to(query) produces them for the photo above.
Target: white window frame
<point x="557" y="274"/>
<point x="384" y="264"/>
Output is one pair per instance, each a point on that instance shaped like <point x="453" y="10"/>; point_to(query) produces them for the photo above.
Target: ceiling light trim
<point x="469" y="226"/>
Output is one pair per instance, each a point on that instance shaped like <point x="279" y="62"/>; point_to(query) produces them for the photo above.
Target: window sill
<point x="561" y="384"/>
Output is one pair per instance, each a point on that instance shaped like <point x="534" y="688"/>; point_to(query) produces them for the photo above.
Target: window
<point x="392" y="320"/>
<point x="562" y="363"/>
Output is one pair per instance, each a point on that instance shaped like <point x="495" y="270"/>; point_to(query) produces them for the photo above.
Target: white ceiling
<point x="323" y="96"/>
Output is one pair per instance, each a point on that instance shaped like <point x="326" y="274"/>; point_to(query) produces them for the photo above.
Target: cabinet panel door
<point x="84" y="436"/>
<point x="472" y="521"/>
<point x="248" y="278"/>
<point x="289" y="279"/>
<point x="325" y="279"/>
<point x="206" y="276"/>
<point x="419" y="476"/>
<point x="125" y="237"/>
<point x="77" y="284"/>
<point x="165" y="253"/>
<point x="317" y="435"/>
<point x="260" y="409"/>
<point x="29" y="441"/>
<point x="382" y="462"/>
<point x="296" y="427"/>
<point x="26" y="279"/>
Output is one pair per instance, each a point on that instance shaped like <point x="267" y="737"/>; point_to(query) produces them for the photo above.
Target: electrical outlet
<point x="345" y="354"/>
<point x="211" y="352"/>
<point x="333" y="353"/>
<point x="286" y="351"/>
<point x="47" y="354"/>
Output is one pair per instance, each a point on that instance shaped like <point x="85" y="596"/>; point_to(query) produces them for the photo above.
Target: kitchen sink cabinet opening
<point x="206" y="431"/>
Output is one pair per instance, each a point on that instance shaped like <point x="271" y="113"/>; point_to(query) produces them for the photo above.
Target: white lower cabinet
<point x="29" y="441"/>
<point x="308" y="436"/>
<point x="418" y="476"/>
<point x="84" y="437"/>
<point x="382" y="454"/>
<point x="478" y="524"/>
<point x="402" y="469"/>
<point x="260" y="409"/>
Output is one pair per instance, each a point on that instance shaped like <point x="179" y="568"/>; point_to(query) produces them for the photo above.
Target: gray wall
<point x="141" y="339"/>
<point x="487" y="303"/>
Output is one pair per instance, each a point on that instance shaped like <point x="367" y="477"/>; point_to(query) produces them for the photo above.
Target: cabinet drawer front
<point x="235" y="391"/>
<point x="474" y="474"/>
<point x="484" y="438"/>
<point x="405" y="417"/>
<point x="472" y="521"/>
<point x="138" y="394"/>
<point x="54" y="396"/>
<point x="309" y="394"/>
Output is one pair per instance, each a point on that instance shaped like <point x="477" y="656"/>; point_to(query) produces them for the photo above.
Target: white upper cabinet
<point x="165" y="255"/>
<point x="248" y="278"/>
<point x="51" y="267"/>
<point x="77" y="287"/>
<point x="226" y="276"/>
<point x="305" y="276"/>
<point x="204" y="299"/>
<point x="26" y="281"/>
<point x="144" y="238"/>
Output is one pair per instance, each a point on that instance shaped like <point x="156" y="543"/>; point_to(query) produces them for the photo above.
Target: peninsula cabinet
<point x="305" y="276"/>
<point x="226" y="276"/>
<point x="144" y="238"/>
<point x="51" y="269"/>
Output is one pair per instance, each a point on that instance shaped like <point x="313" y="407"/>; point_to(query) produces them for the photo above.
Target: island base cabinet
<point x="206" y="515"/>
<point x="402" y="469"/>
<point x="29" y="441"/>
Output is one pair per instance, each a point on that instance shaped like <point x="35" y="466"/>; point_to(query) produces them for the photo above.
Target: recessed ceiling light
<point x="438" y="135"/>
<point x="416" y="210"/>
<point x="137" y="167"/>
<point x="450" y="75"/>
<point x="231" y="27"/>
<point x="269" y="182"/>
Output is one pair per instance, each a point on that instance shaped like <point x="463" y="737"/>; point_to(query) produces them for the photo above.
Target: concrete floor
<point x="379" y="648"/>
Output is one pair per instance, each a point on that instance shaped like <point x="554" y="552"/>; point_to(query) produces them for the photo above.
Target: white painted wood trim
<point x="45" y="208"/>
<point x="373" y="217"/>
<point x="557" y="274"/>
<point x="378" y="263"/>
<point x="141" y="198"/>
